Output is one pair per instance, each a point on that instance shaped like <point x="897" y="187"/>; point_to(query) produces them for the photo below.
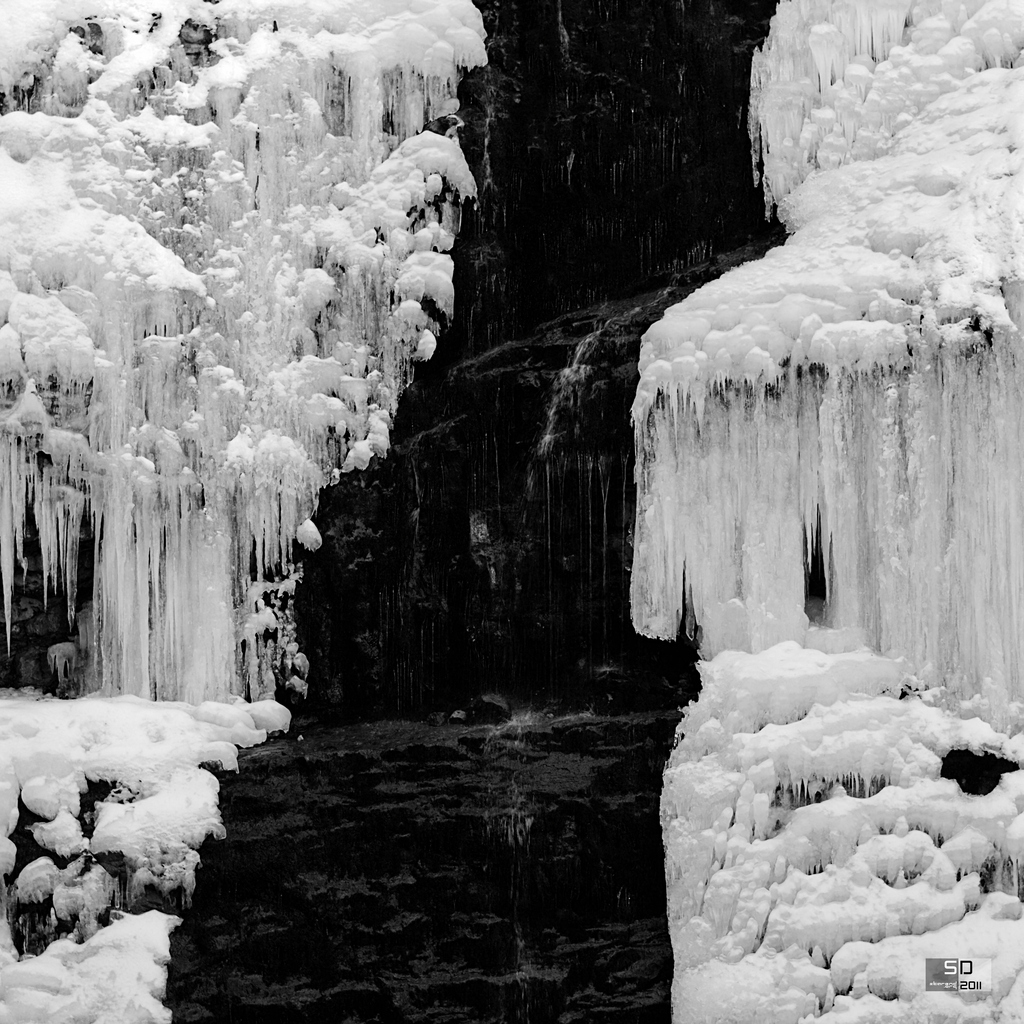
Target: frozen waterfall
<point x="830" y="453"/>
<point x="222" y="246"/>
<point x="862" y="379"/>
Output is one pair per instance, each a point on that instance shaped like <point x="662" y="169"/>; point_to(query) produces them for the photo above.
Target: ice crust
<point x="222" y="245"/>
<point x="815" y="858"/>
<point x="161" y="807"/>
<point x="857" y="371"/>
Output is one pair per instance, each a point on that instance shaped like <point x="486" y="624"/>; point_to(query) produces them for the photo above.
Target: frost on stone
<point x="222" y="246"/>
<point x="143" y="768"/>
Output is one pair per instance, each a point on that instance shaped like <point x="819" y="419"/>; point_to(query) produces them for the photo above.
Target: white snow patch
<point x="161" y="808"/>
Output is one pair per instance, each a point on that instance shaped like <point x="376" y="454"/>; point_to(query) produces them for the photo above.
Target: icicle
<point x="899" y="372"/>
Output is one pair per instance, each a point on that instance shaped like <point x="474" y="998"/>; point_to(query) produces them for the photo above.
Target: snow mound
<point x="152" y="803"/>
<point x="117" y="976"/>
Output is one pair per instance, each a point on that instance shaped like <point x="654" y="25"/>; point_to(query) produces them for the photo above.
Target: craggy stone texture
<point x="404" y="873"/>
<point x="491" y="550"/>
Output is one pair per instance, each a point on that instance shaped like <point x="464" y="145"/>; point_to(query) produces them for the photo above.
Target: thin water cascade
<point x="576" y="461"/>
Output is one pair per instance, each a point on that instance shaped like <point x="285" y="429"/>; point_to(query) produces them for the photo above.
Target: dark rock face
<point x="608" y="139"/>
<point x="492" y="550"/>
<point x="409" y="873"/>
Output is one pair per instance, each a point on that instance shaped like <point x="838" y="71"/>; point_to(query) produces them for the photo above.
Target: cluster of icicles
<point x="223" y="245"/>
<point x="842" y="389"/>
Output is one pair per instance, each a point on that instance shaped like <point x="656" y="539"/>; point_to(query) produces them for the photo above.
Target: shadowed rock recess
<point x="401" y="873"/>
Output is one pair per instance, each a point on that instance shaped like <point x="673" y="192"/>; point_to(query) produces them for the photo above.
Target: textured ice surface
<point x="815" y="857"/>
<point x="160" y="808"/>
<point x="222" y="245"/>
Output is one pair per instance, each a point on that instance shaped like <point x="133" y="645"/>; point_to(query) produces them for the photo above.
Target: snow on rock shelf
<point x="222" y="246"/>
<point x="123" y="804"/>
<point x="814" y="856"/>
<point x="860" y="383"/>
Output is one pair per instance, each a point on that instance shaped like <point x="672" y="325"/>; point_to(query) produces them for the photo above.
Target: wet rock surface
<point x="492" y="549"/>
<point x="393" y="872"/>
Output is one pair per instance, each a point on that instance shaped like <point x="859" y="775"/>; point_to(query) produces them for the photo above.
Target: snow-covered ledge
<point x="152" y="804"/>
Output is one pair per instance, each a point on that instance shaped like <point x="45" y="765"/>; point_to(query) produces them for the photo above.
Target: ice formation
<point x="851" y="398"/>
<point x="844" y="387"/>
<point x="222" y="245"/>
<point x="815" y="858"/>
<point x="123" y="803"/>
